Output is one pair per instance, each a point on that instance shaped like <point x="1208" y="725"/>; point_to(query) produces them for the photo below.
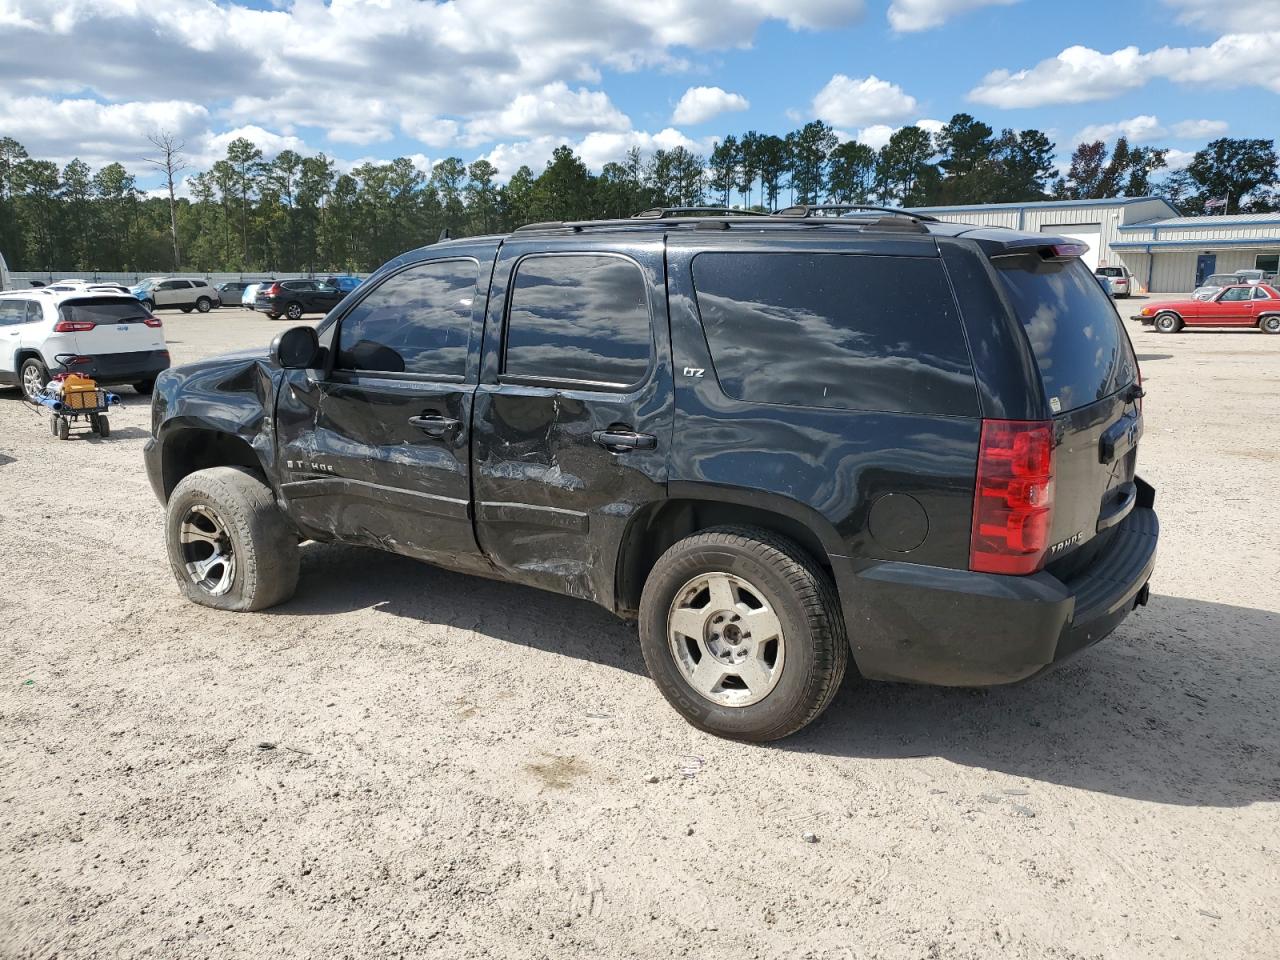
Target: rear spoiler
<point x="998" y="242"/>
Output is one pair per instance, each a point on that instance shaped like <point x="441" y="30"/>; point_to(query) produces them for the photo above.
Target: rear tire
<point x="150" y="305"/>
<point x="203" y="304"/>
<point x="273" y="316"/>
<point x="103" y="426"/>
<point x="227" y="515"/>
<point x="1270" y="324"/>
<point x="775" y="590"/>
<point x="35" y="377"/>
<point x="1168" y="322"/>
<point x="186" y="309"/>
<point x="64" y="428"/>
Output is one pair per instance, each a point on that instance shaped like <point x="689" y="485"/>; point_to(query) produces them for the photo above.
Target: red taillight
<point x="1066" y="251"/>
<point x="273" y="290"/>
<point x="1013" y="497"/>
<point x="73" y="326"/>
<point x="153" y="322"/>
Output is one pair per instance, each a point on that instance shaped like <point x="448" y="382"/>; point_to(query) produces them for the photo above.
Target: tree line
<point x="300" y="213"/>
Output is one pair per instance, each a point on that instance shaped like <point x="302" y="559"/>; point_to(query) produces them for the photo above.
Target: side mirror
<point x="296" y="348"/>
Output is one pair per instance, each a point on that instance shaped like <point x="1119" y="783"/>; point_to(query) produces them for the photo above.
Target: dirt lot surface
<point x="408" y="762"/>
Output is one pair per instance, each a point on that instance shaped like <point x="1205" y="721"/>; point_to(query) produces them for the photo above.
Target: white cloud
<point x="1081" y="74"/>
<point x="878" y="134"/>
<point x="850" y="102"/>
<point x="1178" y="159"/>
<point x="1076" y="75"/>
<point x="1141" y="129"/>
<point x="552" y="110"/>
<point x="595" y="149"/>
<point x="911" y="15"/>
<point x="1241" y="16"/>
<point x="1200" y="129"/>
<point x="700" y="104"/>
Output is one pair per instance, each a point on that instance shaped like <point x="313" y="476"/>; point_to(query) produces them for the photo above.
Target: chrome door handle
<point x="435" y="425"/>
<point x="616" y="441"/>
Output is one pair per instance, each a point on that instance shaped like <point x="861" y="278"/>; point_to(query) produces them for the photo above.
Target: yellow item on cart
<point x="79" y="392"/>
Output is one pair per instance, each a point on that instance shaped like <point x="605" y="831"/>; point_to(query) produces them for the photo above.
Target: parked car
<point x="1251" y="276"/>
<point x="232" y="291"/>
<point x="1120" y="279"/>
<point x="295" y="298"/>
<point x="1242" y="305"/>
<point x="1214" y="285"/>
<point x="251" y="291"/>
<point x="179" y="293"/>
<point x="745" y="437"/>
<point x="5" y="280"/>
<point x="98" y="286"/>
<point x="109" y="337"/>
<point x="344" y="283"/>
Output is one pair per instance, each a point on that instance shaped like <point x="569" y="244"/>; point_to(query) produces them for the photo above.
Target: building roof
<point x="1208" y="222"/>
<point x="1206" y="243"/>
<point x="1036" y="204"/>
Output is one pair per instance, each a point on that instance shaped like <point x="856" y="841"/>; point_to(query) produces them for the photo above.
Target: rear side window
<point x="12" y="312"/>
<point x="103" y="310"/>
<point x="835" y="330"/>
<point x="1081" y="349"/>
<point x="417" y="321"/>
<point x="578" y="317"/>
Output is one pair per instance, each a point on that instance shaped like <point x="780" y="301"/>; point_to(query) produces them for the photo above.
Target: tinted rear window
<point x="835" y="330"/>
<point x="104" y="310"/>
<point x="1082" y="351"/>
<point x="1109" y="272"/>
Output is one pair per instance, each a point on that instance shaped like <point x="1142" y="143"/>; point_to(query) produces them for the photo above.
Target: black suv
<point x="775" y="441"/>
<point x="293" y="298"/>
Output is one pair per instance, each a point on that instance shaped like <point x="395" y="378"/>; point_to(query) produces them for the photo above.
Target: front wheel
<point x="293" y="311"/>
<point x="203" y="304"/>
<point x="1270" y="324"/>
<point x="35" y="377"/>
<point x="1168" y="322"/>
<point x="229" y="545"/>
<point x="742" y="633"/>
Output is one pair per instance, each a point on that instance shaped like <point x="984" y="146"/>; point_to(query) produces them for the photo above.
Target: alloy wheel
<point x="207" y="550"/>
<point x="726" y="639"/>
<point x="31" y="382"/>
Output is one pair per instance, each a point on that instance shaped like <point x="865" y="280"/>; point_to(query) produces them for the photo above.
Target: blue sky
<point x="375" y="79"/>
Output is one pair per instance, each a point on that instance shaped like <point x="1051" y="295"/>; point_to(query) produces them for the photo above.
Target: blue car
<point x="345" y="283"/>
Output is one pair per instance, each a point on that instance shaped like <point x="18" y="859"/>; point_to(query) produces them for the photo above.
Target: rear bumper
<point x="919" y="624"/>
<point x="121" y="367"/>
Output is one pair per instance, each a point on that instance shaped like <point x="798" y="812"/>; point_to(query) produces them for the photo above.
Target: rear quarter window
<point x="1080" y="347"/>
<point x="852" y="332"/>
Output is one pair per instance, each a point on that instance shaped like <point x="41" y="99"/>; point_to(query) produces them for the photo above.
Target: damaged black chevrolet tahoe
<point x="777" y="442"/>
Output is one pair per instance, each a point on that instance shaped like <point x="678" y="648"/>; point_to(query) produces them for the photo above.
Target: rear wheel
<point x="273" y="316"/>
<point x="64" y="428"/>
<point x="186" y="309"/>
<point x="103" y="426"/>
<point x="229" y="545"/>
<point x="742" y="633"/>
<point x="293" y="311"/>
<point x="150" y="305"/>
<point x="1270" y="324"/>
<point x="35" y="377"/>
<point x="1168" y="322"/>
<point x="203" y="304"/>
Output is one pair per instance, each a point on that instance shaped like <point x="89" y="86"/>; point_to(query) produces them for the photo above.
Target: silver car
<point x="1119" y="277"/>
<point x="1219" y="281"/>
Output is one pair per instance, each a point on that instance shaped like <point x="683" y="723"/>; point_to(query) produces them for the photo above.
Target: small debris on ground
<point x="1020" y="811"/>
<point x="809" y="837"/>
<point x="266" y="745"/>
<point x="651" y="778"/>
<point x="1210" y="914"/>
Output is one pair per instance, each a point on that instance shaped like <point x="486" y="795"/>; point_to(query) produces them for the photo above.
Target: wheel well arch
<point x="1163" y="310"/>
<point x="652" y="530"/>
<point x="189" y="449"/>
<point x="24" y="354"/>
<point x="1267" y="316"/>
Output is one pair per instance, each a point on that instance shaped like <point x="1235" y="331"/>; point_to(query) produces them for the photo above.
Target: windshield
<point x="103" y="310"/>
<point x="1221" y="280"/>
<point x="1081" y="348"/>
<point x="146" y="284"/>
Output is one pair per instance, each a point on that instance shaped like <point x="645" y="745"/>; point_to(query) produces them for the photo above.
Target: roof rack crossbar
<point x="807" y="210"/>
<point x="667" y="213"/>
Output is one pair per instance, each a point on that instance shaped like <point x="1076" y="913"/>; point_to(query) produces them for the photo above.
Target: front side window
<point x="835" y="330"/>
<point x="578" y="317"/>
<point x="417" y="321"/>
<point x="1236" y="294"/>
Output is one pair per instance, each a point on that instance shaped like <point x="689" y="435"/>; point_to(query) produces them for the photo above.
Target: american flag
<point x="1215" y="203"/>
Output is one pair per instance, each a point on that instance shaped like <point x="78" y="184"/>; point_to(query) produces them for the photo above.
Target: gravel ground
<point x="408" y="762"/>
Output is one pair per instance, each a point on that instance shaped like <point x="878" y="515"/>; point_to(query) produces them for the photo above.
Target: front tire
<point x="1270" y="324"/>
<point x="203" y="304"/>
<point x="1168" y="322"/>
<point x="742" y="633"/>
<point x="229" y="545"/>
<point x="35" y="377"/>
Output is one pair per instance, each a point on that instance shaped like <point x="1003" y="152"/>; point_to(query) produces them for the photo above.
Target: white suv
<point x="178" y="292"/>
<point x="110" y="337"/>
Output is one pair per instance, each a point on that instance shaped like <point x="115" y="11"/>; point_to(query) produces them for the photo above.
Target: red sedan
<point x="1245" y="305"/>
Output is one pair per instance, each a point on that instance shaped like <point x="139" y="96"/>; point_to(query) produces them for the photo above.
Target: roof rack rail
<point x="667" y="213"/>
<point x="808" y="210"/>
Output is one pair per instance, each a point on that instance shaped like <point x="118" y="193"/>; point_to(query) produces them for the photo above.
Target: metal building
<point x="1165" y="252"/>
